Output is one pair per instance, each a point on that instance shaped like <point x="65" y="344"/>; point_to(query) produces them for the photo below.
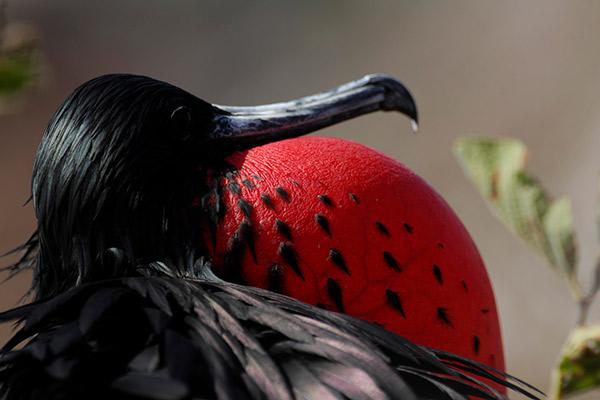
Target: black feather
<point x="113" y="170"/>
<point x="288" y="254"/>
<point x="334" y="290"/>
<point x="323" y="198"/>
<point x="336" y="257"/>
<point x="437" y="272"/>
<point x="235" y="188"/>
<point x="285" y="196"/>
<point x="393" y="299"/>
<point x="275" y="278"/>
<point x="382" y="229"/>
<point x="444" y="317"/>
<point x="245" y="207"/>
<point x="283" y="229"/>
<point x="323" y="223"/>
<point x="235" y="342"/>
<point x="391" y="262"/>
<point x="248" y="183"/>
<point x="267" y="200"/>
<point x="354" y="198"/>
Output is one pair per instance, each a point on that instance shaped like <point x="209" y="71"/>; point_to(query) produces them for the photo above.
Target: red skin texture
<point x="387" y="192"/>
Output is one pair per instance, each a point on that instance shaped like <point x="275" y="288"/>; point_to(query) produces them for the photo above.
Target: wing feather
<point x="163" y="337"/>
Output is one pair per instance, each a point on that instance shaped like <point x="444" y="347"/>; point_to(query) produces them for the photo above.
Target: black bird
<point x="126" y="305"/>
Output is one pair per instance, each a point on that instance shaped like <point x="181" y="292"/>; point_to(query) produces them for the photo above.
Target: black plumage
<point x="155" y="335"/>
<point x="126" y="307"/>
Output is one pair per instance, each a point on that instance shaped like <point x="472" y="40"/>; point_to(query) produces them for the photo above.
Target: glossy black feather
<point x="114" y="169"/>
<point x="218" y="341"/>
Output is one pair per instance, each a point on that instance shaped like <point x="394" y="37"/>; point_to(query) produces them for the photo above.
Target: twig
<point x="3" y="7"/>
<point x="585" y="302"/>
<point x="3" y="22"/>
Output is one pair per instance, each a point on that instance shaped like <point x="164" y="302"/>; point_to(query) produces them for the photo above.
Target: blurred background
<point x="530" y="70"/>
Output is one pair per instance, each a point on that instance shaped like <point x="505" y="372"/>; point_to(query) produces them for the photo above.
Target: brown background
<point x="523" y="69"/>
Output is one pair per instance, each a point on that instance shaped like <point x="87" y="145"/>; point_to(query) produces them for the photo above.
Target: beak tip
<point x="414" y="125"/>
<point x="408" y="107"/>
<point x="398" y="97"/>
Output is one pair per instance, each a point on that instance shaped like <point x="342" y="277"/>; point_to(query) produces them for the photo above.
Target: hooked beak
<point x="240" y="128"/>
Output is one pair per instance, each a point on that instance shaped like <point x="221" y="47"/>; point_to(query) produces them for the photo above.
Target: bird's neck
<point x="129" y="229"/>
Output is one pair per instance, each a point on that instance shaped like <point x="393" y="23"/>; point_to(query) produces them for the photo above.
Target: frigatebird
<point x="126" y="304"/>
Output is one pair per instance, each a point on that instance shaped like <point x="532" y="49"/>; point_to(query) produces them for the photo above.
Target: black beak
<point x="239" y="128"/>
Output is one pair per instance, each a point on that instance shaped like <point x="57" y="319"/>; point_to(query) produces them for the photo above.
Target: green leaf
<point x="497" y="167"/>
<point x="16" y="71"/>
<point x="20" y="62"/>
<point x="558" y="225"/>
<point x="579" y="364"/>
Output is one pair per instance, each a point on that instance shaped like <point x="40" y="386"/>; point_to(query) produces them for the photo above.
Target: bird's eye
<point x="181" y="120"/>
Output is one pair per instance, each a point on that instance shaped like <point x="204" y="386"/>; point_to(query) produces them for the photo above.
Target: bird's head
<point x="124" y="157"/>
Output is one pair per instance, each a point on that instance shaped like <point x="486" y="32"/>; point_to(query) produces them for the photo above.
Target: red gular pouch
<point x="339" y="225"/>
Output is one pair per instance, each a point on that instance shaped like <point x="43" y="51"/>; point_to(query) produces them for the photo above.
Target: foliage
<point x="19" y="62"/>
<point x="579" y="364"/>
<point x="17" y="70"/>
<point x="497" y="168"/>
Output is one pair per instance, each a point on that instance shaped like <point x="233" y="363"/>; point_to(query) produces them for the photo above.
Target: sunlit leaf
<point x="497" y="167"/>
<point x="578" y="369"/>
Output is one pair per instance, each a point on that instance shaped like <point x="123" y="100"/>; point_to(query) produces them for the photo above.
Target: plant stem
<point x="584" y="308"/>
<point x="3" y="6"/>
<point x="584" y="302"/>
<point x="3" y="22"/>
